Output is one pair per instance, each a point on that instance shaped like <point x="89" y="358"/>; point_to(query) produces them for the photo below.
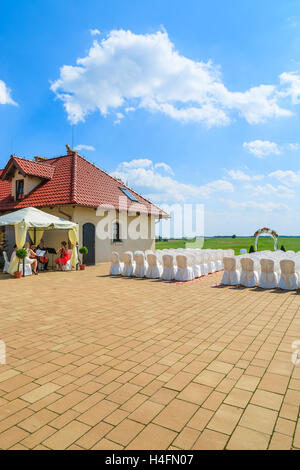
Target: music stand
<point x="52" y="252"/>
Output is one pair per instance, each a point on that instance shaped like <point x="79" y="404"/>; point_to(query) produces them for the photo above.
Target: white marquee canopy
<point x="34" y="220"/>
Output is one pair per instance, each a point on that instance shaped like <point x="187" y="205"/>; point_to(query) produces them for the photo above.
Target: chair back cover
<point x="115" y="259"/>
<point x="182" y="262"/>
<point x="152" y="259"/>
<point x="5" y="257"/>
<point x="127" y="257"/>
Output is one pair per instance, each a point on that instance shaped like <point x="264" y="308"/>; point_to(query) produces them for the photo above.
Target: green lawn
<point x="264" y="243"/>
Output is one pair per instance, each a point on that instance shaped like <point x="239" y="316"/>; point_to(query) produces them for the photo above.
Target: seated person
<point x="31" y="258"/>
<point x="64" y="256"/>
<point x="43" y="259"/>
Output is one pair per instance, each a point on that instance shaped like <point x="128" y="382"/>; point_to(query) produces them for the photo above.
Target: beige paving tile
<point x="179" y="381"/>
<point x="200" y="419"/>
<point x="225" y="419"/>
<point x="195" y="393"/>
<point x="285" y="426"/>
<point x="280" y="442"/>
<point x="66" y="436"/>
<point x="258" y="418"/>
<point x="146" y="412"/>
<point x="211" y="440"/>
<point x="247" y="439"/>
<point x="238" y="397"/>
<point x="40" y="392"/>
<point x="37" y="420"/>
<point x="267" y="399"/>
<point x="125" y="432"/>
<point x="186" y="438"/>
<point x="11" y="436"/>
<point x="248" y="382"/>
<point x="152" y="437"/>
<point x="175" y="415"/>
<point x="97" y="412"/>
<point x="209" y="378"/>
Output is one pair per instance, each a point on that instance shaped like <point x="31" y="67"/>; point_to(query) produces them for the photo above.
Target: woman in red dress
<point x="64" y="256"/>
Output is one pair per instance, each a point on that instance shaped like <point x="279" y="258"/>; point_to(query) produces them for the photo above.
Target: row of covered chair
<point x="267" y="270"/>
<point x="169" y="264"/>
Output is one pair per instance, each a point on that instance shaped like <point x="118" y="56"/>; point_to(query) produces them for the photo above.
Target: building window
<point x="116" y="232"/>
<point x="19" y="189"/>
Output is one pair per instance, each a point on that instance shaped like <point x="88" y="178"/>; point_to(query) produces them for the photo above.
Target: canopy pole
<point x="34" y="236"/>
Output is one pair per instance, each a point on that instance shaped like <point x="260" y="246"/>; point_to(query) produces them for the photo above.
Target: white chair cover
<point x="6" y="262"/>
<point x="211" y="262"/>
<point x="219" y="260"/>
<point x="169" y="270"/>
<point x="184" y="272"/>
<point x="289" y="279"/>
<point x="231" y="276"/>
<point x="115" y="267"/>
<point x="154" y="269"/>
<point x="249" y="276"/>
<point x="141" y="264"/>
<point x="205" y="270"/>
<point x="128" y="264"/>
<point x="268" y="276"/>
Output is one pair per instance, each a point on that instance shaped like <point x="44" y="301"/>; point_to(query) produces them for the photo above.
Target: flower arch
<point x="260" y="231"/>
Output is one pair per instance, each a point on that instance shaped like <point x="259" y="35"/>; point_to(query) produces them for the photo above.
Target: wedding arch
<point x="267" y="230"/>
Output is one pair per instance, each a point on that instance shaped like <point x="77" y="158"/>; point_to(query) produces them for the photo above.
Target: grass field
<point x="264" y="243"/>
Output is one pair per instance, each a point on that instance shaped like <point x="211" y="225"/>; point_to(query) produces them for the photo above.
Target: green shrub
<point x="83" y="250"/>
<point x="233" y="236"/>
<point x="282" y="248"/>
<point x="21" y="253"/>
<point x="251" y="250"/>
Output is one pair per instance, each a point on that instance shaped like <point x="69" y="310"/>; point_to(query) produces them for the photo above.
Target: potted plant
<point x="21" y="254"/>
<point x="83" y="251"/>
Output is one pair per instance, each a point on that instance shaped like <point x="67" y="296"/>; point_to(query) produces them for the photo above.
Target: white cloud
<point x="270" y="190"/>
<point x="130" y="71"/>
<point x="141" y="173"/>
<point x="80" y="147"/>
<point x="288" y="177"/>
<point x="257" y="206"/>
<point x="165" y="167"/>
<point x="292" y="82"/>
<point x="137" y="163"/>
<point x="240" y="175"/>
<point x="5" y="97"/>
<point x="95" y="32"/>
<point x="262" y="148"/>
<point x="294" y="147"/>
<point x="119" y="117"/>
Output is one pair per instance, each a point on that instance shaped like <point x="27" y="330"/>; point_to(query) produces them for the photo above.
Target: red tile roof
<point x="71" y="179"/>
<point x="28" y="167"/>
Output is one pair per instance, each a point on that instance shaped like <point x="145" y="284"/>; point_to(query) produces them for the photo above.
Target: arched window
<point x="116" y="232"/>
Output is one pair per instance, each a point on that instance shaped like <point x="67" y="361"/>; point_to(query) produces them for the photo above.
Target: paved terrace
<point x="95" y="362"/>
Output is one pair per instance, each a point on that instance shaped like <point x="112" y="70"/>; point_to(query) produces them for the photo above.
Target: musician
<point x="64" y="256"/>
<point x="31" y="258"/>
<point x="43" y="259"/>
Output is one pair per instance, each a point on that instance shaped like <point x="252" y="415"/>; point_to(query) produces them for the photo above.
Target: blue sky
<point x="188" y="101"/>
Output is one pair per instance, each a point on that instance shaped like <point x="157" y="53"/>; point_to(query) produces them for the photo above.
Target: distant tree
<point x="282" y="248"/>
<point x="233" y="236"/>
<point x="251" y="250"/>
